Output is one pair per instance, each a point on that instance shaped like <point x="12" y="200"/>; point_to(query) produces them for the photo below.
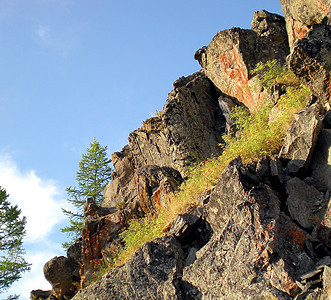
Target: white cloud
<point x="39" y="199"/>
<point x="34" y="280"/>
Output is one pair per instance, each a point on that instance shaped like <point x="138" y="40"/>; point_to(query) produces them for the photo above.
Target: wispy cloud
<point x="62" y="40"/>
<point x="43" y="33"/>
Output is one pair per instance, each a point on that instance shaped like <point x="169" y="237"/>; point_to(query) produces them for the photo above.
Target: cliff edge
<point x="264" y="230"/>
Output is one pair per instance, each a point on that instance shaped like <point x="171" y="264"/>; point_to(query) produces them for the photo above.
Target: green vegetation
<point x="258" y="134"/>
<point x="12" y="231"/>
<point x="92" y="177"/>
<point x="271" y="73"/>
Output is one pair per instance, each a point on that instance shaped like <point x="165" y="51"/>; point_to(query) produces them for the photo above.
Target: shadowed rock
<point x="310" y="60"/>
<point x="151" y="273"/>
<point x="305" y="203"/>
<point x="62" y="274"/>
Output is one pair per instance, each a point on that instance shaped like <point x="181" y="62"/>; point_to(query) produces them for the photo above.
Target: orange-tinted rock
<point x="233" y="53"/>
<point x="300" y="15"/>
<point x="101" y="226"/>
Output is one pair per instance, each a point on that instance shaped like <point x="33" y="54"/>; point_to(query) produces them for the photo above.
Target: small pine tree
<point x="92" y="177"/>
<point x="12" y="231"/>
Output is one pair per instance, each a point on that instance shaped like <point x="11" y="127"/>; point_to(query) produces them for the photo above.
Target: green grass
<point x="260" y="133"/>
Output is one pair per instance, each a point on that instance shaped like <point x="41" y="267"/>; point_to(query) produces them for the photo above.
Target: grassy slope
<point x="260" y="133"/>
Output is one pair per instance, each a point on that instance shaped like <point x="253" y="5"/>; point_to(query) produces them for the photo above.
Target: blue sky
<point x="73" y="70"/>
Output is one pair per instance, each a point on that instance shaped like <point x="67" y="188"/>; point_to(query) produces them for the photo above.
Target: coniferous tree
<point x="12" y="231"/>
<point x="92" y="177"/>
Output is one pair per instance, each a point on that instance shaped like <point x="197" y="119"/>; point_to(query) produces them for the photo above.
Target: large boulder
<point x="62" y="274"/>
<point x="233" y="53"/>
<point x="300" y="15"/>
<point x="310" y="59"/>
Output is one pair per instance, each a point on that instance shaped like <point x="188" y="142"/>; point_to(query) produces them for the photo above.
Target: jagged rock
<point x="185" y="224"/>
<point x="41" y="295"/>
<point x="192" y="125"/>
<point x="300" y="15"/>
<point x="276" y="171"/>
<point x="151" y="273"/>
<point x="191" y="230"/>
<point x="188" y="130"/>
<point x="154" y="185"/>
<point x="61" y="272"/>
<point x="100" y="227"/>
<point x="122" y="188"/>
<point x="306" y="204"/>
<point x="262" y="169"/>
<point x="227" y="104"/>
<point x="248" y="240"/>
<point x="224" y="197"/>
<point x="321" y="162"/>
<point x="327" y="279"/>
<point x="301" y="139"/>
<point x="310" y="59"/>
<point x="255" y="249"/>
<point x="233" y="53"/>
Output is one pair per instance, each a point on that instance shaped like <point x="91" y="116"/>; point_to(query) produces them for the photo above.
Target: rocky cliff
<point x="264" y="230"/>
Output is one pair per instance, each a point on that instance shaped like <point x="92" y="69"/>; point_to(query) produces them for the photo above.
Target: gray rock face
<point x="233" y="53"/>
<point x="305" y="203"/>
<point x="301" y="139"/>
<point x="300" y="15"/>
<point x="151" y="273"/>
<point x="238" y="262"/>
<point x="310" y="59"/>
<point x="188" y="130"/>
<point x="145" y="192"/>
